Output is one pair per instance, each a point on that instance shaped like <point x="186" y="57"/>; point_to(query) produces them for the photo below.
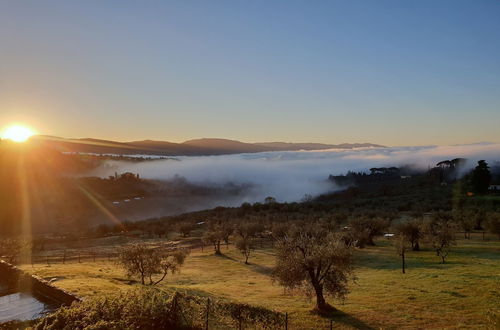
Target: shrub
<point x="149" y="308"/>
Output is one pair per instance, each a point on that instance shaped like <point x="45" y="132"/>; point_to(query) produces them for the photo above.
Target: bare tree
<point x="145" y="262"/>
<point x="315" y="261"/>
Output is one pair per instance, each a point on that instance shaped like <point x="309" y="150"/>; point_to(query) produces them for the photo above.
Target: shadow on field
<point x="225" y="256"/>
<point x="413" y="261"/>
<point x="478" y="252"/>
<point x="264" y="270"/>
<point x="125" y="280"/>
<point x="346" y="319"/>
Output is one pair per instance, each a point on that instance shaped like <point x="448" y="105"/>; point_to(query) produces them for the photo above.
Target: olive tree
<point x="12" y="248"/>
<point x="402" y="245"/>
<point x="146" y="262"/>
<point x="493" y="224"/>
<point x="466" y="221"/>
<point x="440" y="233"/>
<point x="315" y="261"/>
<point x="246" y="246"/>
<point x="364" y="229"/>
<point x="412" y="232"/>
<point x="185" y="228"/>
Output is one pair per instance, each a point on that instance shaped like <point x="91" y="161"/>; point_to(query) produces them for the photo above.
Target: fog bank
<point x="288" y="176"/>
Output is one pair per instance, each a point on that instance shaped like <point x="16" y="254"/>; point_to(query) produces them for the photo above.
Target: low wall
<point x="20" y="281"/>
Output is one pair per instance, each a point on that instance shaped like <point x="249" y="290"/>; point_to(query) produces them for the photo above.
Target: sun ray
<point x="100" y="206"/>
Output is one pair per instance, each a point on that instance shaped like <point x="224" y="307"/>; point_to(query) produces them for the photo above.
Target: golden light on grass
<point x="17" y="133"/>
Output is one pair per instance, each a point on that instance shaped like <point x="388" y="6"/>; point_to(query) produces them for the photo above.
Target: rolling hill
<point x="197" y="147"/>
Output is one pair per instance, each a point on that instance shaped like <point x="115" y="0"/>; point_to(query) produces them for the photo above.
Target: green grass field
<point x="458" y="294"/>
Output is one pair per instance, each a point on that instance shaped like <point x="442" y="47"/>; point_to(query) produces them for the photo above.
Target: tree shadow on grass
<point x="378" y="261"/>
<point x="125" y="280"/>
<point x="224" y="256"/>
<point x="338" y="316"/>
<point x="261" y="269"/>
<point x="264" y="270"/>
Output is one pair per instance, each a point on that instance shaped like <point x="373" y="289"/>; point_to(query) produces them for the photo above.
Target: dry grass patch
<point x="458" y="294"/>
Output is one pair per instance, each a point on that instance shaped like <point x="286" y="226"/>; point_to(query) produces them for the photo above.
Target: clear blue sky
<point x="389" y="72"/>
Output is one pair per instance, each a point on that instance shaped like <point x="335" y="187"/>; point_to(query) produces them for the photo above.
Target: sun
<point x="17" y="133"/>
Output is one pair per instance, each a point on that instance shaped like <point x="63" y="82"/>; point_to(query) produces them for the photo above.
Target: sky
<point x="388" y="72"/>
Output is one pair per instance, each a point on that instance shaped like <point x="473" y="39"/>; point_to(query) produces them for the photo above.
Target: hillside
<point x="196" y="147"/>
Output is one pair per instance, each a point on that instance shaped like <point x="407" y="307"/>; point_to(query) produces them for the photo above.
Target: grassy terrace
<point x="458" y="294"/>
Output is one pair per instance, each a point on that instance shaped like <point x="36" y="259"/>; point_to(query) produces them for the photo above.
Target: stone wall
<point x="20" y="281"/>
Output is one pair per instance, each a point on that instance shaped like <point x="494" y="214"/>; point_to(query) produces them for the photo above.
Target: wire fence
<point x="63" y="256"/>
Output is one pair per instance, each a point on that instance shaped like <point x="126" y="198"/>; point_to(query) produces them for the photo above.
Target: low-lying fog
<point x="288" y="176"/>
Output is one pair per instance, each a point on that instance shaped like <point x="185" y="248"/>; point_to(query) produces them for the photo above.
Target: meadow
<point x="462" y="293"/>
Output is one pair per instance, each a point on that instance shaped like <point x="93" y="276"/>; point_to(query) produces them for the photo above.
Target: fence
<point x="86" y="254"/>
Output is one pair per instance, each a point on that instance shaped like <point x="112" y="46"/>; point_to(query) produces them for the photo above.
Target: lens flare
<point x="17" y="133"/>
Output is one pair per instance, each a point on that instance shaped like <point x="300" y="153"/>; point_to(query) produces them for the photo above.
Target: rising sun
<point x="17" y="133"/>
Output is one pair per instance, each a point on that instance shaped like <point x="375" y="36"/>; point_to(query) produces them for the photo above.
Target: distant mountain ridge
<point x="196" y="147"/>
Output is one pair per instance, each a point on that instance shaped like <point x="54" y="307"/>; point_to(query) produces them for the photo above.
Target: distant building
<point x="494" y="187"/>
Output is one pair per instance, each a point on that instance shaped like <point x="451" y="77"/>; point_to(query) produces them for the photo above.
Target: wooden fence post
<point x="208" y="313"/>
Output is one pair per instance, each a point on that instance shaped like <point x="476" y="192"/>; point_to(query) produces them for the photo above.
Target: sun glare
<point x="17" y="133"/>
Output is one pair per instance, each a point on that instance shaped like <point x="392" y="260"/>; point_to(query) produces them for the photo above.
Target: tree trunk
<point x="321" y="304"/>
<point x="163" y="277"/>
